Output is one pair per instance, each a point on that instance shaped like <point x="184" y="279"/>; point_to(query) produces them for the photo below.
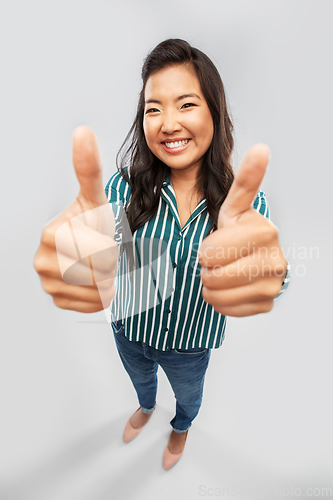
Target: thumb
<point x="246" y="184"/>
<point x="88" y="166"/>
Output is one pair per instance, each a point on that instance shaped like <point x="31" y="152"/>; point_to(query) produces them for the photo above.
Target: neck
<point x="183" y="180"/>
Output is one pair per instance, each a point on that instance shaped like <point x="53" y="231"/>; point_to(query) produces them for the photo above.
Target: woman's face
<point x="177" y="122"/>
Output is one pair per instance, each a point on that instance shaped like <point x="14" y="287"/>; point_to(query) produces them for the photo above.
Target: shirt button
<point x="166" y="329"/>
<point x="174" y="264"/>
<point x="168" y="311"/>
<point x="180" y="237"/>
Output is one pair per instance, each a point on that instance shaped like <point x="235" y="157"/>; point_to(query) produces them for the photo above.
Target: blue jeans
<point x="185" y="370"/>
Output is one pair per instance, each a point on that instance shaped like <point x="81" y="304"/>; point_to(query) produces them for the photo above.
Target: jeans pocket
<point x="117" y="327"/>
<point x="192" y="351"/>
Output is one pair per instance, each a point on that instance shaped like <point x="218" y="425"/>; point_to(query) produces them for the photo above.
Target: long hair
<point x="147" y="172"/>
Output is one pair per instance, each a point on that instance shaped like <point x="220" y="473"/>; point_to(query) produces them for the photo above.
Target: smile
<point x="176" y="146"/>
<point x="173" y="145"/>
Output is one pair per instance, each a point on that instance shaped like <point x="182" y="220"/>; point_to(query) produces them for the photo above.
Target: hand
<point x="243" y="264"/>
<point x="77" y="257"/>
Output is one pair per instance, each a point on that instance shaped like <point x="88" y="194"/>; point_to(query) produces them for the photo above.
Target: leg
<point x="141" y="370"/>
<point x="186" y="371"/>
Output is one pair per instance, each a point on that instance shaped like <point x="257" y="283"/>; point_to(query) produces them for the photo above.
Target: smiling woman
<point x="178" y="153"/>
<point x="182" y="98"/>
<point x="170" y="300"/>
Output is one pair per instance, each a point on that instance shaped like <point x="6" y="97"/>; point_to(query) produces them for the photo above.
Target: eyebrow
<point x="184" y="96"/>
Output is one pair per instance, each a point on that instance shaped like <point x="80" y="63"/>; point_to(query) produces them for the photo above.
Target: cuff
<point x="286" y="281"/>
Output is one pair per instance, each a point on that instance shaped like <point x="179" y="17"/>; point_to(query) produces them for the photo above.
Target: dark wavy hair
<point x="146" y="171"/>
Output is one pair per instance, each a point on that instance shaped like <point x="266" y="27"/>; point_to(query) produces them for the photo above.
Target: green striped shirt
<point x="158" y="287"/>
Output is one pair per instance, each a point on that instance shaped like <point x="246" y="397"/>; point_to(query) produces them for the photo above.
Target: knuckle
<point x="267" y="305"/>
<point x="89" y="307"/>
<point x="47" y="235"/>
<point x="268" y="233"/>
<point x="48" y="288"/>
<point x="205" y="280"/>
<point x="52" y="287"/>
<point x="110" y="296"/>
<point x="276" y="288"/>
<point x="112" y="265"/>
<point x="270" y="290"/>
<point x="37" y="262"/>
<point x="60" y="302"/>
<point x="227" y="298"/>
<point x="40" y="263"/>
<point x="272" y="231"/>
<point x="205" y="295"/>
<point x="210" y="277"/>
<point x="106" y="285"/>
<point x="220" y="309"/>
<point x="98" y="307"/>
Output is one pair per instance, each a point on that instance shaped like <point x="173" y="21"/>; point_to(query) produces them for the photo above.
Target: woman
<point x="181" y="221"/>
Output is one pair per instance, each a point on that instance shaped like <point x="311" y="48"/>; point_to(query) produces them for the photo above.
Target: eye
<point x="187" y="105"/>
<point x="151" y="110"/>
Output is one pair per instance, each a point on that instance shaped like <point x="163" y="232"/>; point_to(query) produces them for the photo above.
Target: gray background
<point x="267" y="411"/>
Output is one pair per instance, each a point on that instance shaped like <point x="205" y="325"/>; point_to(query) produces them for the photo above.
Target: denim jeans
<point x="185" y="370"/>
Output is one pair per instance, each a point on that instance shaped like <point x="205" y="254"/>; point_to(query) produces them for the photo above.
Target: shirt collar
<point x="168" y="194"/>
<point x="167" y="180"/>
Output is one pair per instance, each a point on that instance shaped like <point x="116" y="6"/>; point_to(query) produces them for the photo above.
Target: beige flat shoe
<point x="130" y="432"/>
<point x="170" y="459"/>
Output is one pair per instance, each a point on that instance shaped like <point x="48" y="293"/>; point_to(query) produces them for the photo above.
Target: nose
<point x="170" y="123"/>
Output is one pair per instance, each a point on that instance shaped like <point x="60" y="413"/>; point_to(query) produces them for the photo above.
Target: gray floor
<point x="262" y="424"/>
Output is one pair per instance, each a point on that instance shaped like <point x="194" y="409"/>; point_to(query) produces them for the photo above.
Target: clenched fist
<point x="77" y="257"/>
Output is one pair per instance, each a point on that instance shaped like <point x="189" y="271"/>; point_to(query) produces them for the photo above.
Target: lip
<point x="180" y="148"/>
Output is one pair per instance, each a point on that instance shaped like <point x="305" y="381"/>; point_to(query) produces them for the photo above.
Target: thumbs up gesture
<point x="77" y="257"/>
<point x="243" y="266"/>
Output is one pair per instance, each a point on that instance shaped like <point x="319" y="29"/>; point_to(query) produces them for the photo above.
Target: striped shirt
<point x="158" y="287"/>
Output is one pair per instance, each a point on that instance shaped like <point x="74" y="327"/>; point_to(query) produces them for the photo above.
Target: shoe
<point x="170" y="459"/>
<point x="130" y="432"/>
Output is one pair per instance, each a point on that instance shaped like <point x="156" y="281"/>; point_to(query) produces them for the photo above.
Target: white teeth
<point x="177" y="144"/>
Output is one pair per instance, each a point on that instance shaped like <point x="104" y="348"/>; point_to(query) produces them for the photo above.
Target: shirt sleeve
<point x="260" y="204"/>
<point x="116" y="190"/>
